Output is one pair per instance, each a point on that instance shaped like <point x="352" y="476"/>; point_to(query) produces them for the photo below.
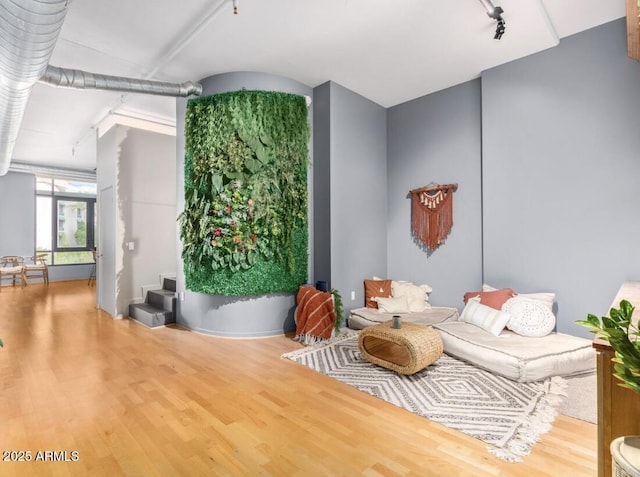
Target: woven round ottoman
<point x="405" y="350"/>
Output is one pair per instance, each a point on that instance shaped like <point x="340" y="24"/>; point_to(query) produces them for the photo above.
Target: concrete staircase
<point x="159" y="308"/>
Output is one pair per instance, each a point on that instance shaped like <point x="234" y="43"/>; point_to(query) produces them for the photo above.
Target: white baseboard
<point x="146" y="288"/>
<point x="136" y="300"/>
<point x="167" y="275"/>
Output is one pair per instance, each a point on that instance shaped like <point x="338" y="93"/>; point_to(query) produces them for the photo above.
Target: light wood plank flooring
<point x="140" y="402"/>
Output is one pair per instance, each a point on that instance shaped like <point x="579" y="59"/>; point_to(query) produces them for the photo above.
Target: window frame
<point x="91" y="209"/>
<point x="90" y="238"/>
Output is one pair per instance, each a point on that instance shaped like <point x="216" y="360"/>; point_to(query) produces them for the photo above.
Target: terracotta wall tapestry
<point x="432" y="213"/>
<point x="244" y="225"/>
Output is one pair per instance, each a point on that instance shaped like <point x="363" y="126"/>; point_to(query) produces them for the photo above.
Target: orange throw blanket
<point x="315" y="315"/>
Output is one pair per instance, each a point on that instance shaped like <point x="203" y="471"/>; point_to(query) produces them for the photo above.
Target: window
<point x="65" y="220"/>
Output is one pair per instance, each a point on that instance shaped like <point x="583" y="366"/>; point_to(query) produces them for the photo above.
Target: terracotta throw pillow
<point x="494" y="299"/>
<point x="376" y="288"/>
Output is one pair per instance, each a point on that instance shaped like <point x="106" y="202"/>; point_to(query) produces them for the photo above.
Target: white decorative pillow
<point x="546" y="298"/>
<point x="417" y="295"/>
<point x="393" y="304"/>
<point x="529" y="317"/>
<point x="487" y="318"/>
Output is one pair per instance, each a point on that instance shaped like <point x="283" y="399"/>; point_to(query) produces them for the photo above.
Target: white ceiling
<point x="389" y="51"/>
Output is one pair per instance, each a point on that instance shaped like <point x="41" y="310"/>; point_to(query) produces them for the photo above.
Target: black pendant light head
<point x="496" y="14"/>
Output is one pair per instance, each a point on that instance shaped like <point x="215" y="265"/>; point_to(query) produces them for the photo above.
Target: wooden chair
<point x="12" y="266"/>
<point x="38" y="268"/>
<point x="92" y="272"/>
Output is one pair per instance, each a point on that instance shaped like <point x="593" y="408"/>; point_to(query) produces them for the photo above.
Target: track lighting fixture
<point x="235" y="6"/>
<point x="496" y="14"/>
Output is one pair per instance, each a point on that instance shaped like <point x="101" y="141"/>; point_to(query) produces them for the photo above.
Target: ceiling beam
<point x="633" y="30"/>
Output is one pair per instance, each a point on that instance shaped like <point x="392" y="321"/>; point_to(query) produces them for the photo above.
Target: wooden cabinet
<point x="618" y="407"/>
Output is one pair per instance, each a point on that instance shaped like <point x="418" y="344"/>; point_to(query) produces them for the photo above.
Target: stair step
<point x="150" y="316"/>
<point x="163" y="299"/>
<point x="169" y="284"/>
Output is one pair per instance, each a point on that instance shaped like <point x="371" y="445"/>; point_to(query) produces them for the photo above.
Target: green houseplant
<point x="622" y="334"/>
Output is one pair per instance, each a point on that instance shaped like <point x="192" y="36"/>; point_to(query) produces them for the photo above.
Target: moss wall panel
<point x="244" y="226"/>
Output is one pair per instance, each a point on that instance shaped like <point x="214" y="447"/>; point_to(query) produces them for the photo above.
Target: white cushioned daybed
<point x="512" y="335"/>
<point x="498" y="330"/>
<point x="386" y="298"/>
<point x="516" y="357"/>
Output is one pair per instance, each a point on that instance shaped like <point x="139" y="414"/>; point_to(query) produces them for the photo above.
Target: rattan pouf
<point x="405" y="350"/>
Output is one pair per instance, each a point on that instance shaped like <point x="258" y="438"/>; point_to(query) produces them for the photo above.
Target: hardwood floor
<point x="121" y="399"/>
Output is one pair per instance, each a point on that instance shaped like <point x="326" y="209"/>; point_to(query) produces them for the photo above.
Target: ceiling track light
<point x="496" y="14"/>
<point x="235" y="6"/>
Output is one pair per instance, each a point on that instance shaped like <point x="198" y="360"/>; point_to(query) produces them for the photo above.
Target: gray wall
<point x="322" y="181"/>
<point x="147" y="202"/>
<point x="357" y="190"/>
<point x="436" y="138"/>
<point x="561" y="164"/>
<point x="17" y="214"/>
<point x="236" y="316"/>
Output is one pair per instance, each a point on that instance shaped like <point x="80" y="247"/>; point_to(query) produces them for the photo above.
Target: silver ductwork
<point x="49" y="171"/>
<point x="78" y="79"/>
<point x="29" y="31"/>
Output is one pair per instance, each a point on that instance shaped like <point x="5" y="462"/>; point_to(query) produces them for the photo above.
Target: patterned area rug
<point x="509" y="415"/>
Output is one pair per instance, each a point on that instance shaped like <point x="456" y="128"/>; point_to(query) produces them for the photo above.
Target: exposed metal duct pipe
<point x="48" y="171"/>
<point x="29" y="31"/>
<point x="68" y="78"/>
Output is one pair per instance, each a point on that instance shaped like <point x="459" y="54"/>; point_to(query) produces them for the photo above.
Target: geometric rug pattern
<point x="508" y="415"/>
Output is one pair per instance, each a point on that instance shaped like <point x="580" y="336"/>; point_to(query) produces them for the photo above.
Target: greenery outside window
<point x="65" y="220"/>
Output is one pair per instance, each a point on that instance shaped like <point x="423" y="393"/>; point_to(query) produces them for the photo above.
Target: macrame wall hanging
<point x="432" y="213"/>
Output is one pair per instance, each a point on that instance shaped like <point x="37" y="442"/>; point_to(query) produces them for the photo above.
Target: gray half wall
<point x="560" y="170"/>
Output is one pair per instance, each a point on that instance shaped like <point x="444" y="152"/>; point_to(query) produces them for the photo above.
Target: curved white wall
<point x="253" y="316"/>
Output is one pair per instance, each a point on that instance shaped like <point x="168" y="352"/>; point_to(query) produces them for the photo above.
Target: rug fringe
<point x="314" y="342"/>
<point x="539" y="423"/>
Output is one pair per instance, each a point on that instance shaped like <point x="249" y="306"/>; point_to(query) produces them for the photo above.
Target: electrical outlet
<point x="181" y="296"/>
<point x="353" y="295"/>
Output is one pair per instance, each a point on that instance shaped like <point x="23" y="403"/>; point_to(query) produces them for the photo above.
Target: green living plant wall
<point x="244" y="225"/>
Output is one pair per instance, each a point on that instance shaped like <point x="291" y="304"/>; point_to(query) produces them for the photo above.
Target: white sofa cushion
<point x="518" y="357"/>
<point x="392" y="304"/>
<point x="485" y="317"/>
<point x="529" y="317"/>
<point x="417" y="295"/>
<point x="547" y="298"/>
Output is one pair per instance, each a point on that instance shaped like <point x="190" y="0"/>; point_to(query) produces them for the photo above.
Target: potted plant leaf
<point x="623" y="335"/>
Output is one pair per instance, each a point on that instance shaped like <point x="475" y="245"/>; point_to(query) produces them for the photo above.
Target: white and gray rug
<point x="509" y="415"/>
